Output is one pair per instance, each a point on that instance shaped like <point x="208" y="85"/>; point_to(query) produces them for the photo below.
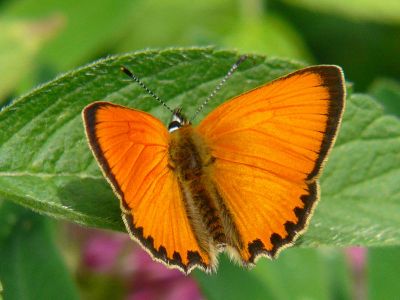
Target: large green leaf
<point x="45" y="163"/>
<point x="44" y="159"/>
<point x="31" y="266"/>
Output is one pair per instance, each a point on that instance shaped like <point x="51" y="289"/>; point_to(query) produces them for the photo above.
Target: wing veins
<point x="263" y="169"/>
<point x="133" y="165"/>
<point x="151" y="186"/>
<point x="283" y="141"/>
<point x="112" y="146"/>
<point x="122" y="156"/>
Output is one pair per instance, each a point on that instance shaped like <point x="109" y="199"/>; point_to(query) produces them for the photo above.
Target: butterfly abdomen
<point x="192" y="162"/>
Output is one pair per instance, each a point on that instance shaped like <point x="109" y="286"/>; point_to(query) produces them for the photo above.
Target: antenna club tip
<point x="126" y="71"/>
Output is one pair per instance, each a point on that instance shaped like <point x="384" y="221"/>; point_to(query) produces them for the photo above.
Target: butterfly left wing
<point x="132" y="149"/>
<point x="269" y="145"/>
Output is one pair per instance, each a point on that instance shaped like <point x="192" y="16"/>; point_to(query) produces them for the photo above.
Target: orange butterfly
<point x="244" y="180"/>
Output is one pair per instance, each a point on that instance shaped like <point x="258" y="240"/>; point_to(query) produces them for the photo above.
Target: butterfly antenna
<point x="218" y="87"/>
<point x="150" y="92"/>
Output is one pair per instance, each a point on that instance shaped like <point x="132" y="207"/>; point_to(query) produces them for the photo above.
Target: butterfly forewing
<point x="269" y="145"/>
<point x="132" y="149"/>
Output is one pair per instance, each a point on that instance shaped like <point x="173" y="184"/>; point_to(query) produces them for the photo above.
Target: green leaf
<point x="387" y="92"/>
<point x="243" y="27"/>
<point x="20" y="41"/>
<point x="383" y="273"/>
<point x="368" y="10"/>
<point x="232" y="282"/>
<point x="89" y="26"/>
<point x="269" y="35"/>
<point x="203" y="22"/>
<point x="360" y="192"/>
<point x="374" y="47"/>
<point x="297" y="274"/>
<point x="31" y="266"/>
<point x="45" y="163"/>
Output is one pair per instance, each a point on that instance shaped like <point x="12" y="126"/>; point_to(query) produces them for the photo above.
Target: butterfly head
<point x="178" y="120"/>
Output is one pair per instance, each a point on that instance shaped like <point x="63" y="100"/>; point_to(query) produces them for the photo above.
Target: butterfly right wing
<point x="269" y="146"/>
<point x="132" y="149"/>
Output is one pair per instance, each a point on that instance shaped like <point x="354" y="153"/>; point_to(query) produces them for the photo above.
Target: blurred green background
<point x="39" y="39"/>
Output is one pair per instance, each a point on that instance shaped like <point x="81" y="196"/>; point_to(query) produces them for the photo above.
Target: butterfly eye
<point x="177" y="120"/>
<point x="174" y="125"/>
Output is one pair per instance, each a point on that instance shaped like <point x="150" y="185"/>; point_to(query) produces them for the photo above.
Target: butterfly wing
<point x="269" y="145"/>
<point x="132" y="149"/>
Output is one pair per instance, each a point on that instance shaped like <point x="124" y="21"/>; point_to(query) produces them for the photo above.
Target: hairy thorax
<point x="190" y="158"/>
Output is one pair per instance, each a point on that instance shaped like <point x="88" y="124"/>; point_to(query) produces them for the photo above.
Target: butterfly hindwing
<point x="269" y="145"/>
<point x="132" y="149"/>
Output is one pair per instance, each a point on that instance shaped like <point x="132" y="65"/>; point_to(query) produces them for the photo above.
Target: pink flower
<point x="357" y="261"/>
<point x="155" y="281"/>
<point x="116" y="254"/>
<point x="357" y="258"/>
<point x="102" y="250"/>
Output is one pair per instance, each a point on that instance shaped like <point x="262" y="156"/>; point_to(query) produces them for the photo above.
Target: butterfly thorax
<point x="189" y="155"/>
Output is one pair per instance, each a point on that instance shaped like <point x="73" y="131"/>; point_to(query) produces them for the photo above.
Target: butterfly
<point x="244" y="181"/>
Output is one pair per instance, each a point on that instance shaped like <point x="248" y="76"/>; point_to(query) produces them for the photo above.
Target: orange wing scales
<point x="269" y="145"/>
<point x="132" y="149"/>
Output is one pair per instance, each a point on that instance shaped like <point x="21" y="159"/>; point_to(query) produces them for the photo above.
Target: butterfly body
<point x="191" y="163"/>
<point x="244" y="180"/>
